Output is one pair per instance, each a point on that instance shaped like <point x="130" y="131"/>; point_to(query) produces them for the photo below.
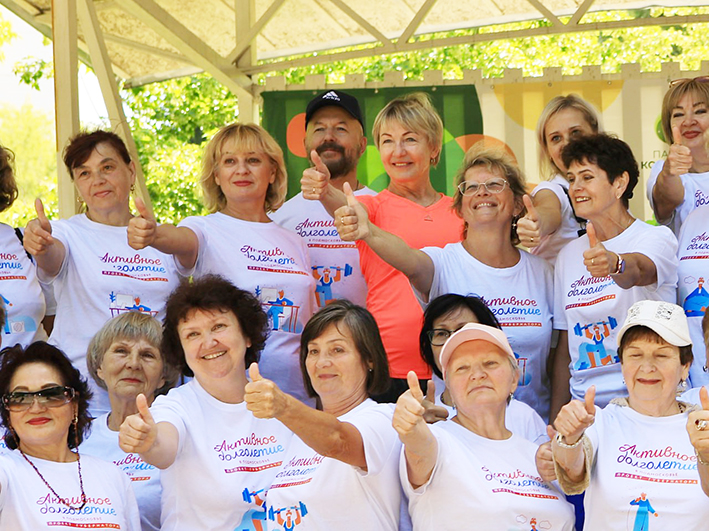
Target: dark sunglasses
<point x="51" y="397"/>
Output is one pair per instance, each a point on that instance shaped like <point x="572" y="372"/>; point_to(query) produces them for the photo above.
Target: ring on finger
<point x="593" y="260"/>
<point x="342" y="220"/>
<point x="314" y="191"/>
<point x="701" y="424"/>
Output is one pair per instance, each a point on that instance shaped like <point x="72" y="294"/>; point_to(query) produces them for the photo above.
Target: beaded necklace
<point x="81" y="482"/>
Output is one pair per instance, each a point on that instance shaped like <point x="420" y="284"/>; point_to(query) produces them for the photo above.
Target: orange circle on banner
<point x="468" y="141"/>
<point x="295" y="135"/>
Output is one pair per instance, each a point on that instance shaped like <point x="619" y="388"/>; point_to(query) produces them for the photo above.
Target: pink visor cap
<point x="471" y="332"/>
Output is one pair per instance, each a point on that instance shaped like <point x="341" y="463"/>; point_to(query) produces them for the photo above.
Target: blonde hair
<point x="415" y="112"/>
<point x="547" y="167"/>
<point x="496" y="160"/>
<point x="247" y="138"/>
<point x="671" y="100"/>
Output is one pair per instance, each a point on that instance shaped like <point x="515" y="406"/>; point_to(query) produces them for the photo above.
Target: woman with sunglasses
<point x="44" y="481"/>
<point x="680" y="183"/>
<point x="514" y="284"/>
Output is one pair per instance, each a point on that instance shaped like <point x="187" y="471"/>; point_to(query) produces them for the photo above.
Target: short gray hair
<point x="131" y="326"/>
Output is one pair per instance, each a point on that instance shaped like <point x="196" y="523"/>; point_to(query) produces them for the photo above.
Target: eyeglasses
<point x="700" y="79"/>
<point x="439" y="336"/>
<point x="50" y="397"/>
<point x="493" y="186"/>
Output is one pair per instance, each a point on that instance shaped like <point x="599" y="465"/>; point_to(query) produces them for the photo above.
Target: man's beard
<point x="341" y="166"/>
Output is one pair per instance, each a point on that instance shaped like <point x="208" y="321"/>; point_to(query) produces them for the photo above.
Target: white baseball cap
<point x="471" y="332"/>
<point x="664" y="318"/>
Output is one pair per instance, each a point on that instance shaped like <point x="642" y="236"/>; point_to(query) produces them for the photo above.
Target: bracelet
<point x="621" y="266"/>
<point x="561" y="442"/>
<point x="699" y="459"/>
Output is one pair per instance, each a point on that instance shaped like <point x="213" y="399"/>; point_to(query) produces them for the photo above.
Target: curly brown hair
<point x="8" y="185"/>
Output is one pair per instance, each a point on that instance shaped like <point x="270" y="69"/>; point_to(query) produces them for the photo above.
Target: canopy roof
<point x="151" y="40"/>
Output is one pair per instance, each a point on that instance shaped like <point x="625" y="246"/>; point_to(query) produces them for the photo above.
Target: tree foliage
<point x="29" y="133"/>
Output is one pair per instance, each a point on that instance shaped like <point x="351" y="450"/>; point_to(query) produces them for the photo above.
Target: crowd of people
<point x="356" y="360"/>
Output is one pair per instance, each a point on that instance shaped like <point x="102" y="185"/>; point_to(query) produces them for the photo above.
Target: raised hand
<point x="263" y="397"/>
<point x="544" y="459"/>
<point x="138" y="431"/>
<point x="528" y="229"/>
<point x="598" y="260"/>
<point x="38" y="234"/>
<point x="142" y="228"/>
<point x="433" y="412"/>
<point x="698" y="427"/>
<point x="576" y="416"/>
<point x="315" y="179"/>
<point x="679" y="159"/>
<point x="408" y="415"/>
<point x="351" y="220"/>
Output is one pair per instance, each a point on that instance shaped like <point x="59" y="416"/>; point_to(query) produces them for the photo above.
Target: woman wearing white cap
<point x="472" y="472"/>
<point x="634" y="458"/>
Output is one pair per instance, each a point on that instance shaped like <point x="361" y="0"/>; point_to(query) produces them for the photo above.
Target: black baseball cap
<point x="335" y="98"/>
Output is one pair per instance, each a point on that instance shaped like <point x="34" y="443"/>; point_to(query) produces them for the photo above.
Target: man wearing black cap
<point x="334" y="142"/>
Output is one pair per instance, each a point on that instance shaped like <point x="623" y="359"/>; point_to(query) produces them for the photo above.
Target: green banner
<point x="284" y="118"/>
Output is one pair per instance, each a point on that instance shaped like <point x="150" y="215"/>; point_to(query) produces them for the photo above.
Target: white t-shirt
<point x="226" y="460"/>
<point x="335" y="264"/>
<point x="27" y="504"/>
<point x="521" y="297"/>
<point x="693" y="274"/>
<point x="273" y="264"/>
<point x="20" y="292"/>
<point x="593" y="309"/>
<point x="696" y="194"/>
<point x="336" y="495"/>
<point x="636" y="454"/>
<point x="144" y="477"/>
<point x="479" y="483"/>
<point x="519" y="417"/>
<point x="550" y="245"/>
<point x="691" y="396"/>
<point x="101" y="277"/>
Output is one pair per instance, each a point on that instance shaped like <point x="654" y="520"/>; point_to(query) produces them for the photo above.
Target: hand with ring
<point x="352" y="221"/>
<point x="698" y="429"/>
<point x="316" y="179"/>
<point x="529" y="227"/>
<point x="599" y="261"/>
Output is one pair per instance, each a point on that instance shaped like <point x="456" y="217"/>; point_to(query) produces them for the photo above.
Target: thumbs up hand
<point x="528" y="227"/>
<point x="141" y="228"/>
<point x="351" y="220"/>
<point x="263" y="397"/>
<point x="679" y="159"/>
<point x="544" y="458"/>
<point x="576" y="416"/>
<point x="598" y="260"/>
<point x="408" y="415"/>
<point x="698" y="428"/>
<point x="138" y="431"/>
<point x="38" y="233"/>
<point x="315" y="179"/>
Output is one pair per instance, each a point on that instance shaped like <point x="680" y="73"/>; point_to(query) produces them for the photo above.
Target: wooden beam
<point x="276" y="66"/>
<point x="66" y="95"/>
<point x="187" y="43"/>
<point x="107" y="81"/>
<point x="416" y="21"/>
<point x="347" y="10"/>
<point x="244" y="42"/>
<point x="152" y="50"/>
<point x="546" y="12"/>
<point x="580" y="12"/>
